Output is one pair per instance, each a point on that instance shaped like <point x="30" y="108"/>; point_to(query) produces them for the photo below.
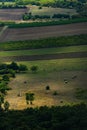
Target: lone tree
<point x="5" y="78"/>
<point x="13" y="66"/>
<point x="29" y="98"/>
<point x="6" y="105"/>
<point x="1" y="100"/>
<point x="23" y="67"/>
<point x="4" y="88"/>
<point x="34" y="68"/>
<point x="47" y="87"/>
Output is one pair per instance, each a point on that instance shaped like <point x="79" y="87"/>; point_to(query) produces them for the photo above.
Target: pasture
<point x="52" y="73"/>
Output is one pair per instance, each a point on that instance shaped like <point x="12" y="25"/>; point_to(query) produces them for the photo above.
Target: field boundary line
<point x="3" y="29"/>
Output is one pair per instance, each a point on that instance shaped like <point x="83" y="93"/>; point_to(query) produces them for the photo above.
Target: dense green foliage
<point x="53" y="3"/>
<point x="28" y="16"/>
<point x="45" y="43"/>
<point x="82" y="10"/>
<point x="45" y="118"/>
<point x="14" y="6"/>
<point x="29" y="97"/>
<point x="34" y="68"/>
<point x="6" y="72"/>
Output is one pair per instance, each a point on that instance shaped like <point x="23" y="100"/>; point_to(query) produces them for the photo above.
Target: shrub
<point x="55" y="93"/>
<point x="47" y="87"/>
<point x="23" y="67"/>
<point x="34" y="68"/>
<point x="5" y="78"/>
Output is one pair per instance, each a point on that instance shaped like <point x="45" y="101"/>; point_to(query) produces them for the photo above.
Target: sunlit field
<point x="54" y="73"/>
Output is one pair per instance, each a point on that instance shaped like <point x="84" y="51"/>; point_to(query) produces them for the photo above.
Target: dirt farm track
<point x="19" y="34"/>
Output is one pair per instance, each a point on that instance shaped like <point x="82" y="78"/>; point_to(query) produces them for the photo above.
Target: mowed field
<point x="11" y="14"/>
<point x="19" y="34"/>
<point x="50" y="11"/>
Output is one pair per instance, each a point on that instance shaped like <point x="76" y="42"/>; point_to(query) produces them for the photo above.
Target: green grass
<point x="74" y="64"/>
<point x="81" y="93"/>
<point x="45" y="43"/>
<point x="42" y="1"/>
<point x="80" y="48"/>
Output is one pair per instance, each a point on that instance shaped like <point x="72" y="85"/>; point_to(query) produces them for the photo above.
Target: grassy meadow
<point x="80" y="48"/>
<point x="66" y="77"/>
<point x="53" y="73"/>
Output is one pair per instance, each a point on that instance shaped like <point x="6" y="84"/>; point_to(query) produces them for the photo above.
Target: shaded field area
<point x="12" y="14"/>
<point x="21" y="34"/>
<point x="44" y="57"/>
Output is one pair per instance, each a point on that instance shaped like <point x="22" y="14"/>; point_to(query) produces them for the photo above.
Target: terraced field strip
<point x="44" y="57"/>
<point x="20" y="34"/>
<point x="12" y="14"/>
<point x="80" y="48"/>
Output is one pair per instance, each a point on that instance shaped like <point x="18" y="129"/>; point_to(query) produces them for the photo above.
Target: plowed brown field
<point x="12" y="14"/>
<point x="19" y="34"/>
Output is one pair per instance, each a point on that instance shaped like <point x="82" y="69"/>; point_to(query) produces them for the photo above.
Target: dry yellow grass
<point x="37" y="83"/>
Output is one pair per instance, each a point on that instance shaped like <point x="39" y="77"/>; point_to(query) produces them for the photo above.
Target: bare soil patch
<point x="20" y="34"/>
<point x="12" y="14"/>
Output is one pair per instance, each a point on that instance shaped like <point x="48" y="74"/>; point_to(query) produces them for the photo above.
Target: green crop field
<point x="81" y="48"/>
<point x="60" y="64"/>
<point x="45" y="43"/>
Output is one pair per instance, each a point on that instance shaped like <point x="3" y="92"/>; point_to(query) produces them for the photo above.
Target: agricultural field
<point x="43" y="67"/>
<point x="79" y="48"/>
<point x="63" y="75"/>
<point x="12" y="14"/>
<point x="20" y="34"/>
<point x="50" y="11"/>
<point x="16" y="14"/>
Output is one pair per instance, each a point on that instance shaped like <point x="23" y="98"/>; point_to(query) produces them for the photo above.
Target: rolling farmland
<point x="11" y="14"/>
<point x="20" y="34"/>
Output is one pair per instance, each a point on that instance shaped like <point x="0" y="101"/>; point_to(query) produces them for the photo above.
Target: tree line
<point x="28" y="16"/>
<point x="45" y="118"/>
<point x="8" y="71"/>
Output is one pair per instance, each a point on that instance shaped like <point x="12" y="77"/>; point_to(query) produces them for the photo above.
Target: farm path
<point x="20" y="34"/>
<point x="44" y="57"/>
<point x="3" y="29"/>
